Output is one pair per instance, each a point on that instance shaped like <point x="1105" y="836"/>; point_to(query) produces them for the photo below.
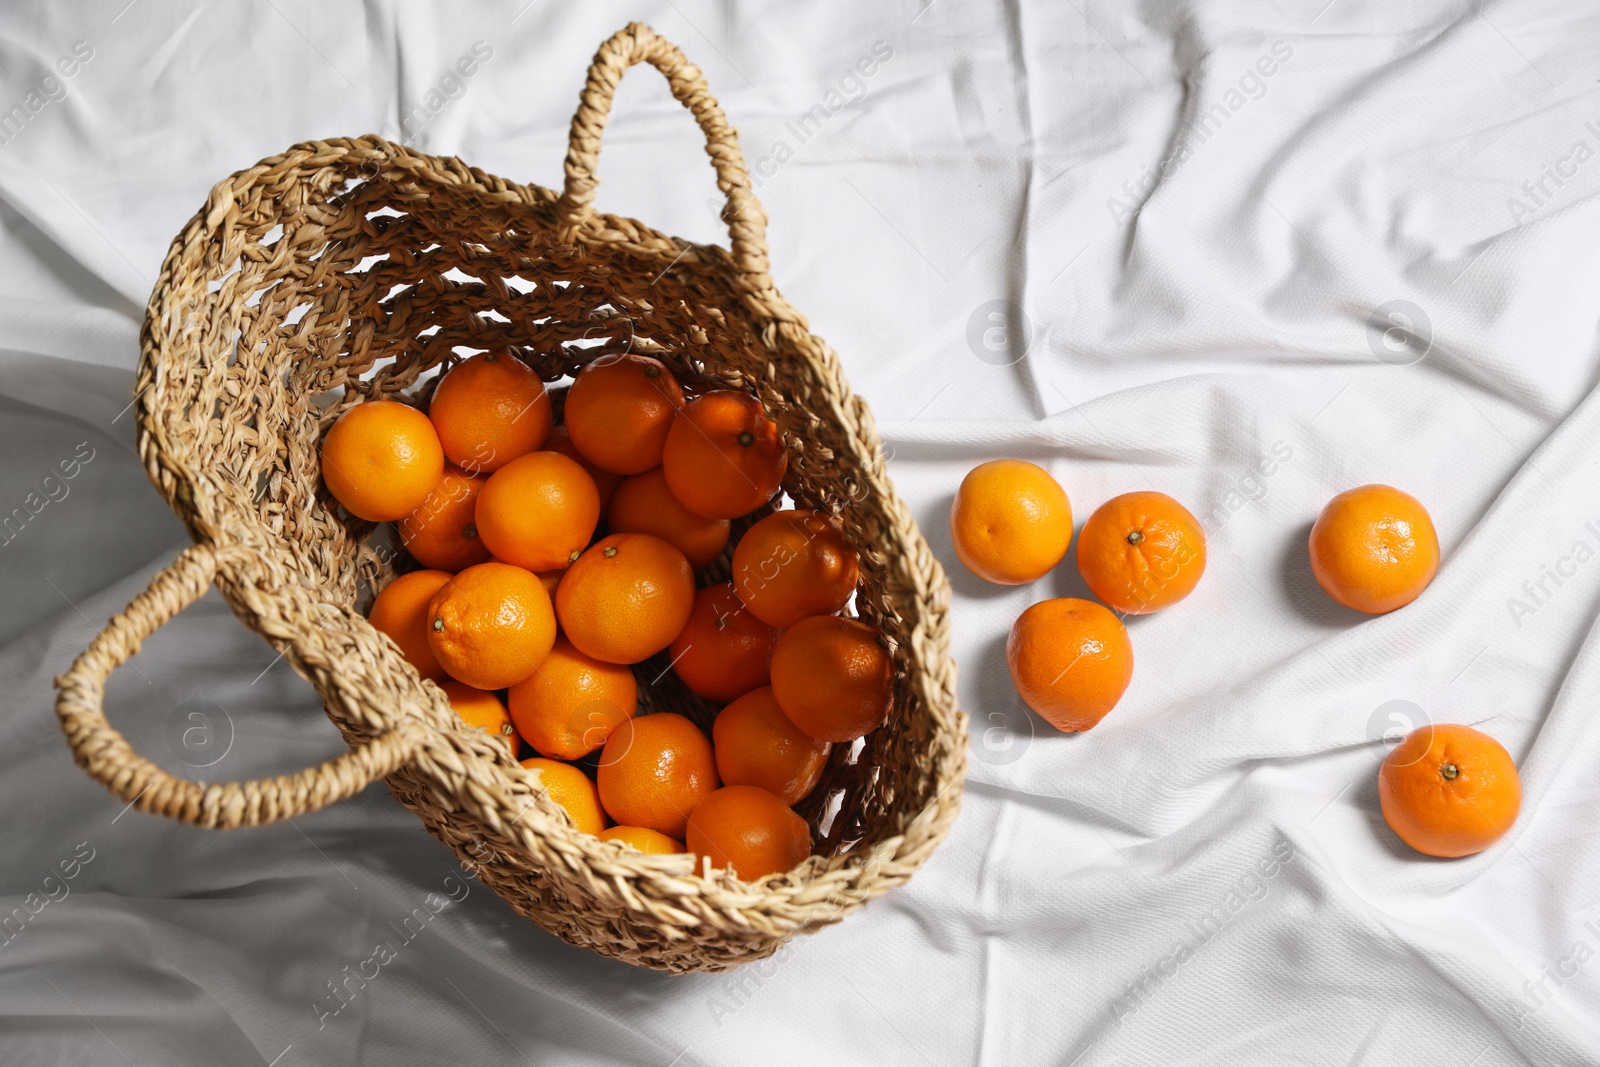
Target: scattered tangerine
<point x="1374" y="548"/>
<point x="381" y="459"/>
<point x="1449" y="790"/>
<point x="1141" y="552"/>
<point x="1070" y="660"/>
<point x="1010" y="521"/>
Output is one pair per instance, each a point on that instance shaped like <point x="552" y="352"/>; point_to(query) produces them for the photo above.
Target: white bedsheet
<point x="1145" y="245"/>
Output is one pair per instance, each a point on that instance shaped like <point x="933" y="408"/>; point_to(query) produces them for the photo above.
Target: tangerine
<point x="794" y="564"/>
<point x="1010" y="521"/>
<point x="443" y="533"/>
<point x="1141" y="552"/>
<point x="401" y="612"/>
<point x="568" y="707"/>
<point x="756" y="744"/>
<point x="1070" y="660"/>
<point x="748" y="830"/>
<point x="724" y="458"/>
<point x="644" y="839"/>
<point x="489" y="410"/>
<point x="483" y="709"/>
<point x="381" y="460"/>
<point x="571" y="790"/>
<point x="625" y="598"/>
<point x="1374" y="548"/>
<point x="832" y="678"/>
<point x="492" y="625"/>
<point x="644" y="504"/>
<point x="1449" y="790"/>
<point x="619" y="411"/>
<point x="654" y="769"/>
<point x="723" y="651"/>
<point x="539" y="511"/>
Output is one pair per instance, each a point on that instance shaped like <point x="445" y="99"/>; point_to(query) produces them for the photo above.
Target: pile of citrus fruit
<point x="1446" y="790"/>
<point x="555" y="557"/>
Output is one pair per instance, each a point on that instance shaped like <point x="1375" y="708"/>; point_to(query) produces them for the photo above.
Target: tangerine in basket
<point x="832" y="678"/>
<point x="619" y="410"/>
<point x="644" y="504"/>
<point x="1449" y="790"/>
<point x="539" y="511"/>
<point x="756" y="744"/>
<point x="794" y="564"/>
<point x="381" y="459"/>
<point x="401" y="611"/>
<point x="492" y="625"/>
<point x="1374" y="548"/>
<point x="483" y="709"/>
<point x="723" y="651"/>
<point x="605" y="481"/>
<point x="568" y="707"/>
<point x="749" y="830"/>
<point x="724" y="458"/>
<point x="1070" y="660"/>
<point x="644" y="839"/>
<point x="1141" y="552"/>
<point x="625" y="598"/>
<point x="572" y="790"/>
<point x="489" y="410"/>
<point x="443" y="533"/>
<point x="1010" y="521"/>
<point x="654" y="769"/>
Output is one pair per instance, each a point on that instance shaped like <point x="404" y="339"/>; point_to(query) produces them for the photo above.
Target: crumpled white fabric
<point x="1245" y="253"/>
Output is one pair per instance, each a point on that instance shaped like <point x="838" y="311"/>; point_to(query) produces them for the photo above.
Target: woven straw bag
<point x="344" y="270"/>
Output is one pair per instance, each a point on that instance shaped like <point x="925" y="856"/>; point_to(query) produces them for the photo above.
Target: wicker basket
<point x="344" y="270"/>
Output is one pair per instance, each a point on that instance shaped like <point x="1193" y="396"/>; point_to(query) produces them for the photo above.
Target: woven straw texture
<point x="346" y="270"/>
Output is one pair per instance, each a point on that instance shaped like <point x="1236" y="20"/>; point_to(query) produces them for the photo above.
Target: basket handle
<point x="109" y="759"/>
<point x="638" y="43"/>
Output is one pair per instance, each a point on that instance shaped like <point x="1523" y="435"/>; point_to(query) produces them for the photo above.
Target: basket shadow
<point x="1309" y="601"/>
<point x="408" y="861"/>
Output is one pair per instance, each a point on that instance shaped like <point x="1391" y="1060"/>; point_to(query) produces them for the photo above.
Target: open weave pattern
<point x="351" y="269"/>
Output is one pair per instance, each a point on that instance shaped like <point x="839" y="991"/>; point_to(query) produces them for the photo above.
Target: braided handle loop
<point x="638" y="43"/>
<point x="109" y="759"/>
